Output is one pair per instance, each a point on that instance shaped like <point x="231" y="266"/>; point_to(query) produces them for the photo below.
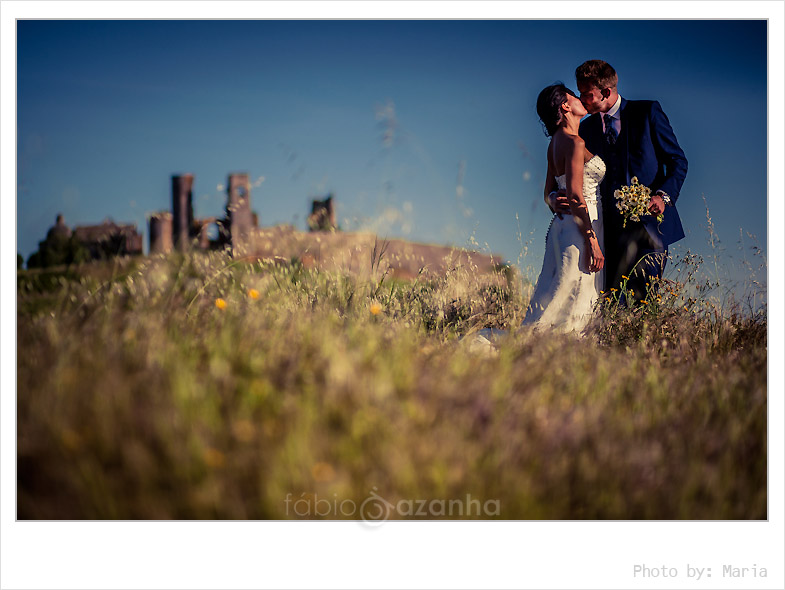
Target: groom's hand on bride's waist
<point x="558" y="202"/>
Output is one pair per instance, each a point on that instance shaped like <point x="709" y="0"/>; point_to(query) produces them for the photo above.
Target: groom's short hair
<point x="597" y="72"/>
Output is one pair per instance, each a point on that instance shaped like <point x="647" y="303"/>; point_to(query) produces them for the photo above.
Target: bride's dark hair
<point x="549" y="106"/>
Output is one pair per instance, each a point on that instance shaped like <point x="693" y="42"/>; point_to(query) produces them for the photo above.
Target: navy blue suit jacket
<point x="650" y="152"/>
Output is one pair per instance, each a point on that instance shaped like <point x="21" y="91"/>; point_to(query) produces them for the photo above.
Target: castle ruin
<point x="180" y="230"/>
<point x="238" y="231"/>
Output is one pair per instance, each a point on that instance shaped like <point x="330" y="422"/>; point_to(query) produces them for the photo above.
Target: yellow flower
<point x="213" y="458"/>
<point x="323" y="472"/>
<point x="253" y="293"/>
<point x="626" y="278"/>
<point x="220" y="303"/>
<point x="613" y="289"/>
<point x="376" y="308"/>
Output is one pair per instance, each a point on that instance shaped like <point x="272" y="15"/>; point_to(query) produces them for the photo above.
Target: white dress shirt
<point x="614" y="112"/>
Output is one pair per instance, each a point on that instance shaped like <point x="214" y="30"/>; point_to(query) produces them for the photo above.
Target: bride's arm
<point x="574" y="167"/>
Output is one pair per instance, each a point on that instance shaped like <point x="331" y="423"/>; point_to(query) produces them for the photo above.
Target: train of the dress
<point x="566" y="291"/>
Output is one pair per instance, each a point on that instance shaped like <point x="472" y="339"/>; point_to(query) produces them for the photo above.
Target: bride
<point x="572" y="272"/>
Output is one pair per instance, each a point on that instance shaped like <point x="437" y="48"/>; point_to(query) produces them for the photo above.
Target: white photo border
<point x="397" y="554"/>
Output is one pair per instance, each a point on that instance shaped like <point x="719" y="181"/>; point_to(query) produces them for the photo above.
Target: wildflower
<point x="376" y="308"/>
<point x="613" y="289"/>
<point x="220" y="303"/>
<point x="626" y="278"/>
<point x="323" y="472"/>
<point x="213" y="458"/>
<point x="253" y="293"/>
<point x="633" y="201"/>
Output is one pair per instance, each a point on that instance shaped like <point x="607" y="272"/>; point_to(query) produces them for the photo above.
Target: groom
<point x="634" y="138"/>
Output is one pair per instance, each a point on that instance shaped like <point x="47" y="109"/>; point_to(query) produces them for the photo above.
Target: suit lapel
<point x="624" y="152"/>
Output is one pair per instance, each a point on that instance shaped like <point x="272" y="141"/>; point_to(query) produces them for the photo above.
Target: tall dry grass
<point x="195" y="387"/>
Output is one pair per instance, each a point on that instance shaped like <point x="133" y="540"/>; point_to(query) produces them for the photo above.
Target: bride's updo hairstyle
<point x="549" y="106"/>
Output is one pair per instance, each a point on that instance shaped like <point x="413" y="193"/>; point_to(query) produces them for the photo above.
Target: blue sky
<point x="422" y="129"/>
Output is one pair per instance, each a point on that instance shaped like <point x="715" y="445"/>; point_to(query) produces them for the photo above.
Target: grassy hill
<point x="203" y="387"/>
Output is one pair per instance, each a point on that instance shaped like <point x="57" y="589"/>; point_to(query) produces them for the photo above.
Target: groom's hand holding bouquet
<point x="635" y="200"/>
<point x="557" y="201"/>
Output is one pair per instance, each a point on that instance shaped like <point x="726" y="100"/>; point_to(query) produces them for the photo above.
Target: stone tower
<point x="182" y="210"/>
<point x="238" y="212"/>
<point x="160" y="232"/>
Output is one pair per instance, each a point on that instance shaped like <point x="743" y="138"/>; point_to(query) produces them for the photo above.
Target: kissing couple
<point x="589" y="248"/>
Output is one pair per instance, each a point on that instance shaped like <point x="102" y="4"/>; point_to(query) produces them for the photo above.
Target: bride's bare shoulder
<point x="577" y="142"/>
<point x="570" y="143"/>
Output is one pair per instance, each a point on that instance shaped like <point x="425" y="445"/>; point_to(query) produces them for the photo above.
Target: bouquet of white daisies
<point x="633" y="201"/>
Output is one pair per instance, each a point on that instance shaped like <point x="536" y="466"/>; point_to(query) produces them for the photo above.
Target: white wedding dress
<point x="566" y="291"/>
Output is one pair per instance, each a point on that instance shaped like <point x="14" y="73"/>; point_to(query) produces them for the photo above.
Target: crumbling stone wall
<point x="322" y="217"/>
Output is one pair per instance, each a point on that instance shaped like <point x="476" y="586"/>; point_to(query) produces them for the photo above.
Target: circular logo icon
<point x="375" y="510"/>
